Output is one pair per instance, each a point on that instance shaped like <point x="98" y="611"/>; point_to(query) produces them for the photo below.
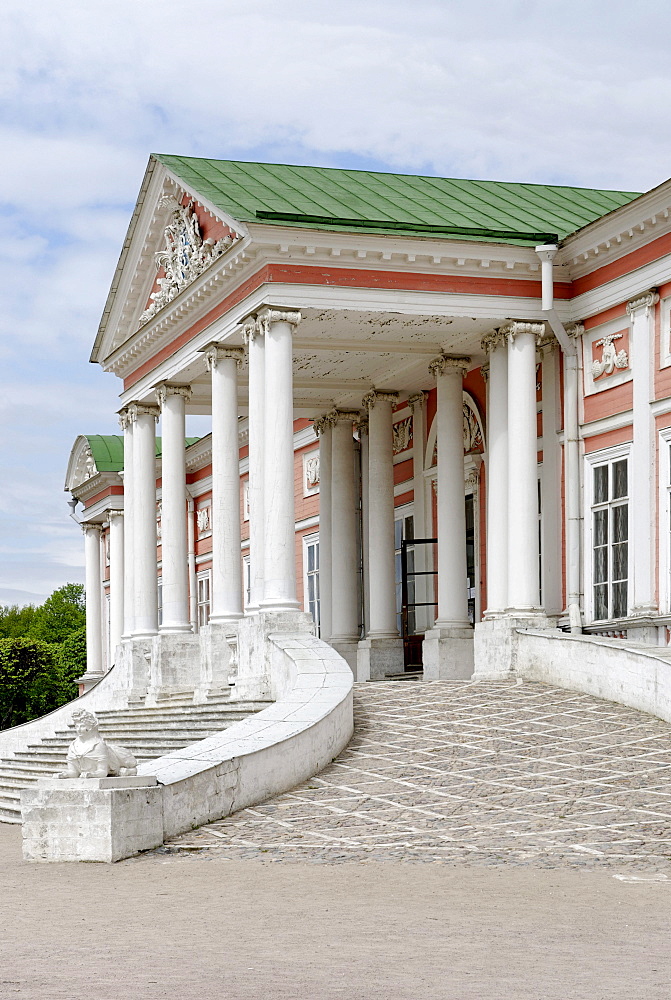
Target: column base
<point x="378" y="658"/>
<point x="348" y="649"/>
<point x="495" y="643"/>
<point x="181" y="629"/>
<point x="447" y="653"/>
<point x="252" y="655"/>
<point x="87" y="681"/>
<point x="217" y="641"/>
<point x="174" y="665"/>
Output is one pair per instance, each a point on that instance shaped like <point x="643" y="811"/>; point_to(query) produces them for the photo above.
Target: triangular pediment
<point x="174" y="236"/>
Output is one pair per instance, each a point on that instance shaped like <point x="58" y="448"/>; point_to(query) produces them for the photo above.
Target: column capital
<point x="518" y="327"/>
<point x="344" y="416"/>
<point x="362" y="423"/>
<point x="165" y="389"/>
<point x="646" y="300"/>
<point x="125" y="419"/>
<point x="322" y="422"/>
<point x="136" y="410"/>
<point x="216" y="352"/>
<point x="445" y="363"/>
<point x="484" y="370"/>
<point x="547" y="343"/>
<point x="416" y="400"/>
<point x="91" y="526"/>
<point x="492" y="340"/>
<point x="114" y="514"/>
<point x="258" y="323"/>
<point x="370" y="399"/>
<point x="575" y="330"/>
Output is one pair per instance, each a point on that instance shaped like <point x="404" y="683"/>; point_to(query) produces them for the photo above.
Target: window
<point x="247" y="579"/>
<point x="610" y="539"/>
<point x="311" y="577"/>
<point x="203" y="592"/>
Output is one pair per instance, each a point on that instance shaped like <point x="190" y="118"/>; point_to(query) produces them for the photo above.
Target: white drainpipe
<point x="191" y="541"/>
<point x="571" y="438"/>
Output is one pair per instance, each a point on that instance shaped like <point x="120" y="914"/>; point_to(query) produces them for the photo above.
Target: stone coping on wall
<point x="270" y="752"/>
<point x="629" y="673"/>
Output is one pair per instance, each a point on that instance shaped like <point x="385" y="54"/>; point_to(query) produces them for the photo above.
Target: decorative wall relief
<point x="203" y="520"/>
<point x="472" y="431"/>
<point x="611" y="359"/>
<point x="311" y="473"/>
<point x="184" y="257"/>
<point x="402" y="435"/>
<point x="159" y="520"/>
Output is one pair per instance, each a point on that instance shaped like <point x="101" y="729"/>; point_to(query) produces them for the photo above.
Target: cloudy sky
<point x="575" y="93"/>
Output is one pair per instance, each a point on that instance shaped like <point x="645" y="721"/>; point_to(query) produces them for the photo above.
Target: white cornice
<point x="619" y="233"/>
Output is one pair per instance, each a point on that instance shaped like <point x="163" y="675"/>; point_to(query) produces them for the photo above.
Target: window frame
<point x="309" y="540"/>
<point x="202" y="576"/>
<point x="592" y="460"/>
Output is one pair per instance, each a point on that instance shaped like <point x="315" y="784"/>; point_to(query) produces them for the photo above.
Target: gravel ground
<point x="477" y="773"/>
<point x="475" y="842"/>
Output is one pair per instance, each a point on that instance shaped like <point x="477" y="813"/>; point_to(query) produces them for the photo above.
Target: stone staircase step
<point x="147" y="731"/>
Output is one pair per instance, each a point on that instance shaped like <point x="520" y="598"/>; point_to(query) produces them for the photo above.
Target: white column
<point x="174" y="553"/>
<point x="643" y="491"/>
<point x="256" y="359"/>
<point x="324" y="429"/>
<point x="93" y="588"/>
<point x="227" y="599"/>
<point x="144" y="520"/>
<point x="417" y="403"/>
<point x="345" y="584"/>
<point x="452" y="592"/>
<point x="363" y="440"/>
<point x="279" y="563"/>
<point x="382" y="623"/>
<point x="497" y="475"/>
<point x="116" y="519"/>
<point x="523" y="577"/>
<point x="551" y="588"/>
<point x="127" y="423"/>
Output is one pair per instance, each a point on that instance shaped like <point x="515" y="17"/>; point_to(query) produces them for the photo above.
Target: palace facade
<point x="441" y="411"/>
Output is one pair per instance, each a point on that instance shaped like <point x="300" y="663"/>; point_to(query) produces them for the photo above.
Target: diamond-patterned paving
<point x="483" y="773"/>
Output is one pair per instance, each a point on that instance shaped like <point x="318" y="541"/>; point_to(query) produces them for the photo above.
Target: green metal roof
<point x="107" y="450"/>
<point x="364" y="200"/>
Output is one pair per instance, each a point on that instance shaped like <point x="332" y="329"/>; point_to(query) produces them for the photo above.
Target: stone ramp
<point x="147" y="731"/>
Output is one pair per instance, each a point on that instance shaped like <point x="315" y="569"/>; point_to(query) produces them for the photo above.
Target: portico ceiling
<point x="340" y="354"/>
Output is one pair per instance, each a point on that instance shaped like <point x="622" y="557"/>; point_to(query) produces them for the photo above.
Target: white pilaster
<point x="551" y="535"/>
<point x="324" y="430"/>
<point x="381" y="652"/>
<point x="253" y="337"/>
<point x="174" y="556"/>
<point x="279" y="562"/>
<point x="116" y="521"/>
<point x="94" y="596"/>
<point x="523" y="576"/>
<point x="144" y="519"/>
<point x="364" y="457"/>
<point x="447" y="650"/>
<point x="497" y="475"/>
<point x="642" y="472"/>
<point x="345" y="562"/>
<point x="127" y="424"/>
<point x="227" y="598"/>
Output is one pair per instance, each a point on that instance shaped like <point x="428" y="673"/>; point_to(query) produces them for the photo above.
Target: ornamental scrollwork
<point x="184" y="256"/>
<point x="611" y="359"/>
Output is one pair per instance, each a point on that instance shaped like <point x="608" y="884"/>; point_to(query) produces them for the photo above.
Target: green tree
<point x="15" y="621"/>
<point x="29" y="681"/>
<point x="61" y="614"/>
<point x="71" y="663"/>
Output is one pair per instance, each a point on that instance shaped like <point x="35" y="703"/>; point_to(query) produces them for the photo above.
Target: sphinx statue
<point x="89" y="756"/>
